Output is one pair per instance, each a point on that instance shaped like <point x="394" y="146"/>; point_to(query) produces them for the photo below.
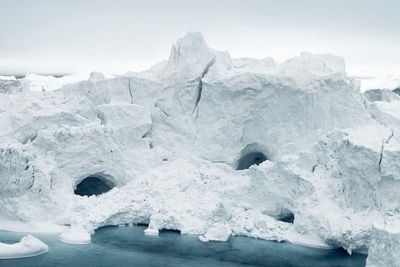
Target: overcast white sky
<point x="55" y="36"/>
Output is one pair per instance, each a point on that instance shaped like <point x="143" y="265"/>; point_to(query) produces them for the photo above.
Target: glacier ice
<point x="209" y="145"/>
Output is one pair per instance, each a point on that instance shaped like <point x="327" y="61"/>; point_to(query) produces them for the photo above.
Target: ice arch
<point x="93" y="185"/>
<point x="252" y="154"/>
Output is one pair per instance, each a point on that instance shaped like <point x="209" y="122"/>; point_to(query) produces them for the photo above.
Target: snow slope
<point x="171" y="140"/>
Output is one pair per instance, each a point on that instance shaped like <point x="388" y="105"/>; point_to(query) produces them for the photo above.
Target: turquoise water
<point x="128" y="246"/>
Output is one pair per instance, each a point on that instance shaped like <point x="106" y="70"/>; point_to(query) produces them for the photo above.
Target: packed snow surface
<point x="29" y="246"/>
<point x="208" y="145"/>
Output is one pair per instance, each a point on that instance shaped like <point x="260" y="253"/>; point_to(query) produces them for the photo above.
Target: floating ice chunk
<point x="203" y="238"/>
<point x="75" y="236"/>
<point x="29" y="246"/>
<point x="151" y="231"/>
<point x="219" y="232"/>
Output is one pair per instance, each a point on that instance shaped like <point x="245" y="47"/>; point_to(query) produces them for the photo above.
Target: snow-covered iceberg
<point x="208" y="145"/>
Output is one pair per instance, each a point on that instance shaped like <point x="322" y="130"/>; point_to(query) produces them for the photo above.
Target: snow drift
<point x="208" y="145"/>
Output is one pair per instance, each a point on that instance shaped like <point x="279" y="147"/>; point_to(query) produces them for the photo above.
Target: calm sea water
<point x="128" y="246"/>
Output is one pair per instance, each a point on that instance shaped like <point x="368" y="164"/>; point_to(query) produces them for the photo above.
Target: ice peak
<point x="190" y="53"/>
<point x="189" y="57"/>
<point x="191" y="42"/>
<point x="190" y="49"/>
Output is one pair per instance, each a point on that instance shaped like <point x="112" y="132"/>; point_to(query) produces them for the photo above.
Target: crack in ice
<point x="200" y="85"/>
<point x="130" y="90"/>
<point x="382" y="148"/>
<point x="198" y="98"/>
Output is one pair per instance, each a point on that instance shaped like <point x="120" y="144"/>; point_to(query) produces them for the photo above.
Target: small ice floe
<point x="75" y="236"/>
<point x="203" y="238"/>
<point x="151" y="231"/>
<point x="219" y="232"/>
<point x="29" y="246"/>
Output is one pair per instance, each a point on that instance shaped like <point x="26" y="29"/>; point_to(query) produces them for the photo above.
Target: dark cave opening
<point x="287" y="218"/>
<point x="93" y="185"/>
<point x="249" y="159"/>
<point x="170" y="231"/>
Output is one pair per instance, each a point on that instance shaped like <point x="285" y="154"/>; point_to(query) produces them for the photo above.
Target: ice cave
<point x="93" y="185"/>
<point x="252" y="154"/>
<point x="286" y="216"/>
<point x="249" y="159"/>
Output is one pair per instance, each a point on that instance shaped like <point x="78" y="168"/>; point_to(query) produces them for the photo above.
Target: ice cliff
<point x="208" y="145"/>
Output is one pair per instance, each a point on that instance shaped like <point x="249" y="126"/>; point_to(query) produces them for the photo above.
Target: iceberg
<point x="207" y="145"/>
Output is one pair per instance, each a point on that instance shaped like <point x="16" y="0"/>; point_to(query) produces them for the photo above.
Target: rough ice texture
<point x="385" y="95"/>
<point x="9" y="85"/>
<point x="385" y="244"/>
<point x="29" y="246"/>
<point x="171" y="138"/>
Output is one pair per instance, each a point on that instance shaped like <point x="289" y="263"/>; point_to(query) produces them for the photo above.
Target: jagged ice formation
<point x="208" y="145"/>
